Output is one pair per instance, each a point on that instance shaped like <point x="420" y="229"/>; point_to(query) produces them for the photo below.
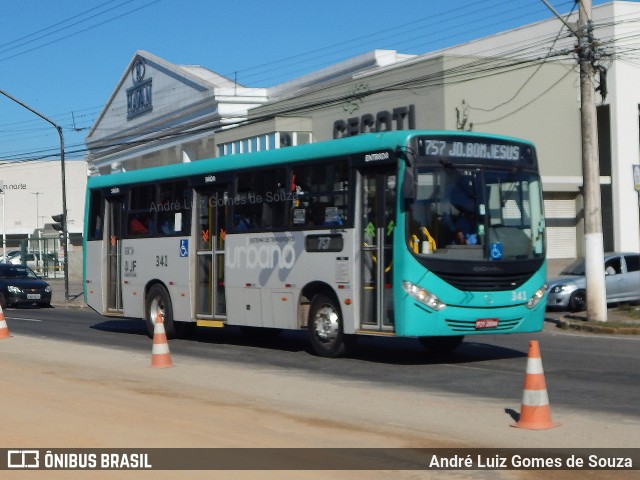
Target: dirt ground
<point x="66" y="395"/>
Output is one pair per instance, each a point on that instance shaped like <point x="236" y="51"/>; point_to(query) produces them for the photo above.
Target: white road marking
<point x="24" y="319"/>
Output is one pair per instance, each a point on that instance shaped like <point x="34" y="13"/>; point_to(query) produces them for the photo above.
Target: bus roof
<point x="345" y="146"/>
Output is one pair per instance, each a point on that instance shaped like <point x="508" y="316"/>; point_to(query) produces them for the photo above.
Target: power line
<point x="51" y="29"/>
<point x="72" y="34"/>
<point x="524" y="84"/>
<point x="460" y="14"/>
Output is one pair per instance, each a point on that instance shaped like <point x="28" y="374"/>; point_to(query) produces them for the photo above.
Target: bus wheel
<point x="325" y="328"/>
<point x="158" y="301"/>
<point x="441" y="345"/>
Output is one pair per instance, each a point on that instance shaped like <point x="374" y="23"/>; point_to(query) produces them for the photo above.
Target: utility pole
<point x="594" y="245"/>
<point x="64" y="189"/>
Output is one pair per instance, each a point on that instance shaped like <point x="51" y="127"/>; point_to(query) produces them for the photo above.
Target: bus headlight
<point x="423" y="296"/>
<point x="537" y="296"/>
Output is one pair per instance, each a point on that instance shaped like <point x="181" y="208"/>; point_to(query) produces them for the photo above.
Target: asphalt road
<point x="583" y="372"/>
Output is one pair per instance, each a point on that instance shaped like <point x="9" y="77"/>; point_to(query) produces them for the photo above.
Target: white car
<point x="10" y="254"/>
<point x="29" y="257"/>
<point x="33" y="259"/>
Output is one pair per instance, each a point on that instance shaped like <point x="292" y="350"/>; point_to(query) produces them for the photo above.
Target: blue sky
<point x="64" y="57"/>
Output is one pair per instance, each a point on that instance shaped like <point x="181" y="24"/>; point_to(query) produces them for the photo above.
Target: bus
<point x="434" y="235"/>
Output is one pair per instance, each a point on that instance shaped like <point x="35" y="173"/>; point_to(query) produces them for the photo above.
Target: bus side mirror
<point x="409" y="183"/>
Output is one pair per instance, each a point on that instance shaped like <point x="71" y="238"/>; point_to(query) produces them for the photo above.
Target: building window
<point x="302" y="138"/>
<point x="261" y="143"/>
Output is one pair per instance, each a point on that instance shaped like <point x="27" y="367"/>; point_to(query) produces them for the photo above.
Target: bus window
<point x="142" y="207"/>
<point x="445" y="211"/>
<point x="260" y="200"/>
<point x="320" y="195"/>
<point x="173" y="208"/>
<point x="96" y="212"/>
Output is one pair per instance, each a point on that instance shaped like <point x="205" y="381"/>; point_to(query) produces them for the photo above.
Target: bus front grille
<point x="485" y="283"/>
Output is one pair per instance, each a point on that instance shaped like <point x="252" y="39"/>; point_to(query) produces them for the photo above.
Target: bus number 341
<point x="162" y="261"/>
<point x="517" y="296"/>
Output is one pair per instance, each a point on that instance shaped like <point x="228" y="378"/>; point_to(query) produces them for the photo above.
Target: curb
<point x="73" y="306"/>
<point x="590" y="327"/>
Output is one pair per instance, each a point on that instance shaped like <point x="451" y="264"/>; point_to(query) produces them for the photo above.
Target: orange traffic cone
<point x="160" y="355"/>
<point x="4" y="329"/>
<point x="536" y="413"/>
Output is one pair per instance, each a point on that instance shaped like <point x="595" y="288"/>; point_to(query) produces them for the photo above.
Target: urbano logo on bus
<point x="263" y="252"/>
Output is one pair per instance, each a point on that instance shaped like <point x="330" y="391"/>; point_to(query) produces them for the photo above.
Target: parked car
<point x="568" y="291"/>
<point x="30" y="259"/>
<point x="33" y="259"/>
<point x="10" y="254"/>
<point x="19" y="285"/>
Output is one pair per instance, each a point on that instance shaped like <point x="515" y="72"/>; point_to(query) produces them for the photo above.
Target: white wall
<point x="624" y="99"/>
<point x="34" y="189"/>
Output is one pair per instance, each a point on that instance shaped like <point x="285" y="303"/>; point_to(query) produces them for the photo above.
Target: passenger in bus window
<point x="137" y="226"/>
<point x="165" y="227"/>
<point x="97" y="234"/>
<point x="242" y="223"/>
<point x="466" y="229"/>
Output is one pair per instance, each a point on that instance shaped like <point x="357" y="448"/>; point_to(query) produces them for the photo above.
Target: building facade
<point x="32" y="194"/>
<point x="510" y="84"/>
<point x="162" y="113"/>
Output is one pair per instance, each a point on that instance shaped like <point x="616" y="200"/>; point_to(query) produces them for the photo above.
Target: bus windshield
<point x="476" y="213"/>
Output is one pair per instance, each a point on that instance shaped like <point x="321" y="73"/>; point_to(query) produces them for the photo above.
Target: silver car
<point x="622" y="282"/>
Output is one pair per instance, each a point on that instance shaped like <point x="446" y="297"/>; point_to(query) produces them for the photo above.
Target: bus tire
<point x="159" y="301"/>
<point x="441" y="345"/>
<point x="325" y="328"/>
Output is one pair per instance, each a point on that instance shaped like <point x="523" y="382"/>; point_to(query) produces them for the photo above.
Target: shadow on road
<point x="392" y="351"/>
<point x="131" y="326"/>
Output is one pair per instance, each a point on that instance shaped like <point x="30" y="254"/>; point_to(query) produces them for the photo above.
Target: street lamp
<point x="4" y="231"/>
<point x="37" y="194"/>
<point x="37" y="230"/>
<point x="64" y="189"/>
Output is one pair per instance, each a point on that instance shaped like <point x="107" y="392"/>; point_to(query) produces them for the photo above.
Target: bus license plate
<point x="33" y="296"/>
<point x="486" y="323"/>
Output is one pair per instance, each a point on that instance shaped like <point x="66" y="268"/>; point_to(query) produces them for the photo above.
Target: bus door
<point x="114" y="230"/>
<point x="211" y="230"/>
<point x="377" y="199"/>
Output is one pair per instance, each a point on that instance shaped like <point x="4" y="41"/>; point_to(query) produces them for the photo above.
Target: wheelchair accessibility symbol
<point x="184" y="248"/>
<point x="495" y="251"/>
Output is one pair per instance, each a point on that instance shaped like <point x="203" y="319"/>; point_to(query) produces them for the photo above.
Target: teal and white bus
<point x="426" y="234"/>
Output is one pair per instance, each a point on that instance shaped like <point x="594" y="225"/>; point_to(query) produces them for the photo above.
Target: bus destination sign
<point x="470" y="149"/>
